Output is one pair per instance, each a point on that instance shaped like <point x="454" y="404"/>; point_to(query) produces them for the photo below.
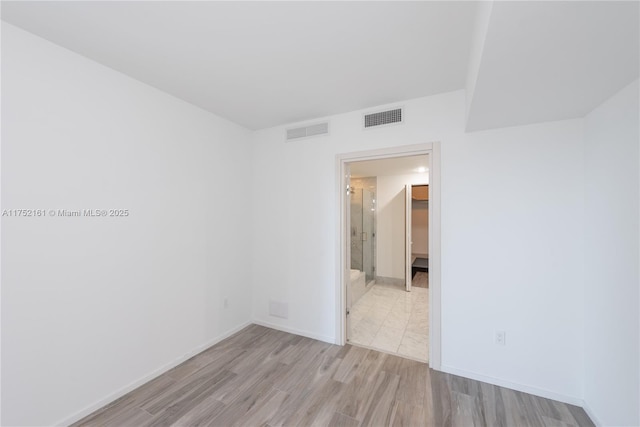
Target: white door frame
<point x="407" y="237"/>
<point x="343" y="270"/>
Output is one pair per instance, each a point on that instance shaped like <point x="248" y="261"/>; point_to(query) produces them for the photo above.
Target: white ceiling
<point x="544" y="61"/>
<point x="389" y="167"/>
<point x="262" y="64"/>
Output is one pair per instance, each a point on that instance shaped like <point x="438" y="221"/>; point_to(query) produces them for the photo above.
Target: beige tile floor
<point x="390" y="319"/>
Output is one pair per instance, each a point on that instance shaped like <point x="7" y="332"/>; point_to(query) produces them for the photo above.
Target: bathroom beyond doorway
<point x="384" y="313"/>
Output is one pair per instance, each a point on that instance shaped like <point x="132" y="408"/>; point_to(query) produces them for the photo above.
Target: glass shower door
<point x="368" y="234"/>
<point x="363" y="232"/>
<point x="356" y="229"/>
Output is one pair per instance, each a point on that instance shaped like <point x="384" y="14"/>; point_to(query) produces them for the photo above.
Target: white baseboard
<point x="390" y="281"/>
<point x="515" y="386"/>
<point x="135" y="384"/>
<point x="592" y="415"/>
<point x="323" y="338"/>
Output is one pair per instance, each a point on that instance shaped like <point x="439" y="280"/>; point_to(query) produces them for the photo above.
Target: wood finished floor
<point x="264" y="377"/>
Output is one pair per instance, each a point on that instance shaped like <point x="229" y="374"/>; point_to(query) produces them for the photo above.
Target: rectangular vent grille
<point x="307" y="131"/>
<point x="383" y="118"/>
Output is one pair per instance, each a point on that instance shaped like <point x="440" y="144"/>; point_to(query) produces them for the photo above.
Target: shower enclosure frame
<point x="343" y="249"/>
<point x="364" y="232"/>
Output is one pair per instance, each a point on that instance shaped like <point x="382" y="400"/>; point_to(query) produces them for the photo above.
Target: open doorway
<point x="385" y="225"/>
<point x="343" y="242"/>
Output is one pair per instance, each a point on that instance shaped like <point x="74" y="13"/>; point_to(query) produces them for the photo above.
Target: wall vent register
<point x="382" y="118"/>
<point x="308" y="131"/>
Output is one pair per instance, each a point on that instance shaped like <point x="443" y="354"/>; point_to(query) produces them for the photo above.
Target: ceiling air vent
<point x="383" y="118"/>
<point x="307" y="131"/>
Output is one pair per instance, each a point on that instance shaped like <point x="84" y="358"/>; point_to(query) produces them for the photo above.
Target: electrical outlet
<point x="226" y="303"/>
<point x="501" y="338"/>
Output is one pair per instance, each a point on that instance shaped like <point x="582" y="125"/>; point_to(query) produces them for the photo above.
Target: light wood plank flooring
<point x="264" y="377"/>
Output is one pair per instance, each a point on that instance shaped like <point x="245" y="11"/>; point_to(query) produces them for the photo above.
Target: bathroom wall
<point x="391" y="218"/>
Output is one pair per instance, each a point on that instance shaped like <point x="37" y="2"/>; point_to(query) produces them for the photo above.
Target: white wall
<point x="92" y="305"/>
<point x="390" y="257"/>
<point x="512" y="238"/>
<point x="512" y="256"/>
<point x="294" y="223"/>
<point x="612" y="346"/>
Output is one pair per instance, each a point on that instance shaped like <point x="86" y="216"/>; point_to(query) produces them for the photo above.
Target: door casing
<point x="407" y="237"/>
<point x="432" y="149"/>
